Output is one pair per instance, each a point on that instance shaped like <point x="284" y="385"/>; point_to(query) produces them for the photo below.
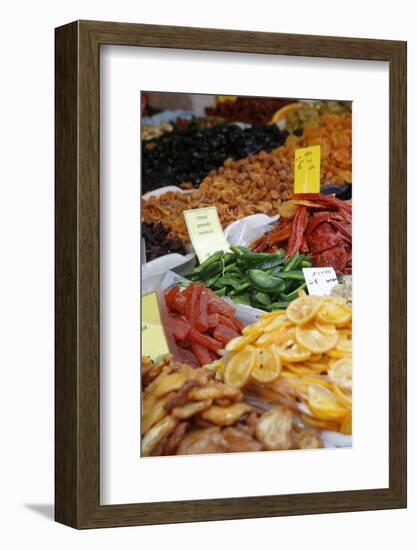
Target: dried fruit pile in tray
<point x="158" y="242"/>
<point x="187" y="411"/>
<point x="265" y="281"/>
<point x="253" y="110"/>
<point x="321" y="227"/>
<point x="312" y="112"/>
<point x="186" y="156"/>
<point x="201" y="323"/>
<point x="334" y="135"/>
<point x="240" y="188"/>
<point x="259" y="183"/>
<point x="303" y="355"/>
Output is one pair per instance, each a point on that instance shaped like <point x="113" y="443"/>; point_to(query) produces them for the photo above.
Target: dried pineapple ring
<point x="344" y="342"/>
<point x="268" y="366"/>
<point x="315" y="341"/>
<point x="239" y="368"/>
<point x="237" y="344"/>
<point x="340" y="373"/>
<point x="325" y="328"/>
<point x="324" y="405"/>
<point x="292" y="352"/>
<point x="333" y="313"/>
<point x="303" y="309"/>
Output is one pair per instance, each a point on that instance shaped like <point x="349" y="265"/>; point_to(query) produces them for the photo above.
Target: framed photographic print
<point x="230" y="274"/>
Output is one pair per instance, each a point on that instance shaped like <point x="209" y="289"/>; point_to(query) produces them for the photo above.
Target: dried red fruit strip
<point x="204" y="340"/>
<point x="202" y="323"/>
<point x="314" y="220"/>
<point x="180" y="327"/>
<point x="201" y="352"/>
<point x="238" y="324"/>
<point x="224" y="334"/>
<point x="193" y="304"/>
<point x="213" y="320"/>
<point x="298" y="227"/>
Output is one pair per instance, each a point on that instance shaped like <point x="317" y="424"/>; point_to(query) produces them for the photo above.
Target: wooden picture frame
<point x="77" y="373"/>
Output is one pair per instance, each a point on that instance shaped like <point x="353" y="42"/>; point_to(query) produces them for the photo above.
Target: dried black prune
<point x="158" y="243"/>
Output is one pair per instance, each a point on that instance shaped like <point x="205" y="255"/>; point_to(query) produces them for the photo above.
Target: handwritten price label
<point x="154" y="342"/>
<point x="320" y="280"/>
<point x="307" y="170"/>
<point x="205" y="231"/>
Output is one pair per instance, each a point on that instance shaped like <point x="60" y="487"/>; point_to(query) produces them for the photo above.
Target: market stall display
<point x="260" y="355"/>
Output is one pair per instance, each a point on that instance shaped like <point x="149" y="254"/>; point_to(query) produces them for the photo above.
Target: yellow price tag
<point x="154" y="342"/>
<point x="205" y="231"/>
<point x="307" y="170"/>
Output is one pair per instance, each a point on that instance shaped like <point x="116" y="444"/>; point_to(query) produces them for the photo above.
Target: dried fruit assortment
<point x="188" y="411"/>
<point x="283" y="381"/>
<point x="262" y="280"/>
<point x="321" y="227"/>
<point x="257" y="183"/>
<point x="186" y="156"/>
<point x="201" y="323"/>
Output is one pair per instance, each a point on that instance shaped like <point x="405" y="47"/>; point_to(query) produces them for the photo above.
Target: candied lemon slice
<point x="315" y="341"/>
<point x="240" y="342"/>
<point x="344" y="342"/>
<point x="277" y="337"/>
<point x="324" y="404"/>
<point x="277" y="323"/>
<point x="239" y="368"/>
<point x="268" y="365"/>
<point x="255" y="327"/>
<point x="303" y="309"/>
<point x="325" y="328"/>
<point x="335" y="314"/>
<point x="340" y="373"/>
<point x="346" y="425"/>
<point x="292" y="352"/>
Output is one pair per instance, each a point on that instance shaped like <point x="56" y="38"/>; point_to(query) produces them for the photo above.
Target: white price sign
<point x="320" y="280"/>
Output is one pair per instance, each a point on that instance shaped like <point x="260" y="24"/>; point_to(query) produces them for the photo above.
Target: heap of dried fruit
<point x="253" y="185"/>
<point x="320" y="227"/>
<point x="252" y="110"/>
<point x="334" y="135"/>
<point x="312" y="112"/>
<point x="201" y="323"/>
<point x="187" y="155"/>
<point x="301" y="356"/>
<point x="186" y="410"/>
<point x="158" y="242"/>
